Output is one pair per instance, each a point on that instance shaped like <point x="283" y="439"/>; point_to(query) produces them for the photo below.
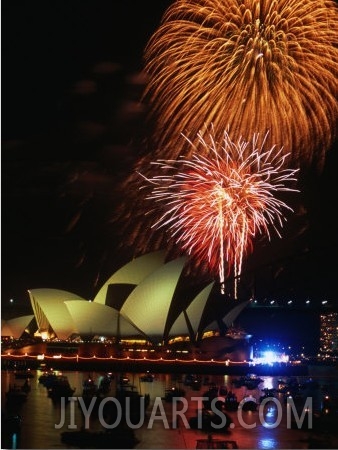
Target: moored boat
<point x="249" y="403"/>
<point x="60" y="388"/>
<point x="105" y="383"/>
<point x="210" y="442"/>
<point x="10" y="429"/>
<point x="89" y="387"/>
<point x="131" y="401"/>
<point x="16" y="395"/>
<point x="47" y="378"/>
<point x="250" y="381"/>
<point x="119" y="437"/>
<point x="208" y="419"/>
<point x="148" y="377"/>
<point x="172" y="393"/>
<point x="23" y="374"/>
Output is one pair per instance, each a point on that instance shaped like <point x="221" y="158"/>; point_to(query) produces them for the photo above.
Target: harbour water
<point x="250" y="429"/>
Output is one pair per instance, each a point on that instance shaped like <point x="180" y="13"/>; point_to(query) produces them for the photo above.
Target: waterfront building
<point x="142" y="304"/>
<point x="329" y="335"/>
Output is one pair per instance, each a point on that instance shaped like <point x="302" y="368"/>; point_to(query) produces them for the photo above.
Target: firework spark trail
<point x="249" y="64"/>
<point x="213" y="207"/>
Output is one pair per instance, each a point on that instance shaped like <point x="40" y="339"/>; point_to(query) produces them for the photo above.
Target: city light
<point x="270" y="357"/>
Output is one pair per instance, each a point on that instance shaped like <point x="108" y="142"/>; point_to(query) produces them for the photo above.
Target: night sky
<point x="67" y="137"/>
<point x="71" y="131"/>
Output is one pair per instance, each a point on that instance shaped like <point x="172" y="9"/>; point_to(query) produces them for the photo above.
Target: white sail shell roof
<point x="92" y="318"/>
<point x="194" y="313"/>
<point x="132" y="273"/>
<point x="50" y="310"/>
<point x="15" y="327"/>
<point x="151" y="287"/>
<point x="148" y="305"/>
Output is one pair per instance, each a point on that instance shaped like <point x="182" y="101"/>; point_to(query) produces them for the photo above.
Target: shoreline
<point x="12" y="362"/>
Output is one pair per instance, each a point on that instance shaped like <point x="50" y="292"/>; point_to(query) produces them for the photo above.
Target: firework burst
<point x="214" y="206"/>
<point x="250" y="64"/>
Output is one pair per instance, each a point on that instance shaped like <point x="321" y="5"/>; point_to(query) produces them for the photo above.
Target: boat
<point x="124" y="379"/>
<point x="91" y="391"/>
<point x="194" y="381"/>
<point x="250" y="381"/>
<point x="231" y="403"/>
<point x="119" y="437"/>
<point x="228" y="400"/>
<point x="89" y="387"/>
<point x="267" y="393"/>
<point x="105" y="383"/>
<point x="206" y="419"/>
<point x="10" y="429"/>
<point x="47" y="378"/>
<point x="249" y="403"/>
<point x="23" y="374"/>
<point x="26" y="387"/>
<point x="60" y="388"/>
<point x="147" y="377"/>
<point x="214" y="391"/>
<point x="288" y="384"/>
<point x="16" y="395"/>
<point x="10" y="423"/>
<point x="131" y="401"/>
<point x="210" y="442"/>
<point x="172" y="393"/>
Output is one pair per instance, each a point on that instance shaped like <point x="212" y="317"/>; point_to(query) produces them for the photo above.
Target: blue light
<point x="269" y="357"/>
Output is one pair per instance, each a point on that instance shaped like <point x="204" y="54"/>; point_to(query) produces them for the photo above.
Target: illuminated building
<point x="14" y="328"/>
<point x="145" y="290"/>
<point x="328" y="334"/>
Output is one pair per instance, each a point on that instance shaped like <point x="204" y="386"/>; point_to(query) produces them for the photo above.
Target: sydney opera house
<point x="140" y="302"/>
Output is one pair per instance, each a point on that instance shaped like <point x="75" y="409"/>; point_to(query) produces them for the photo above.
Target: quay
<point x="160" y="365"/>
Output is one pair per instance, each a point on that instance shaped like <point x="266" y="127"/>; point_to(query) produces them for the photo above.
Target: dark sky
<point x="71" y="130"/>
<point x="68" y="126"/>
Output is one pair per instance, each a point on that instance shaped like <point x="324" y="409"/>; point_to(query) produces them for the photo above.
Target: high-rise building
<point x="329" y="334"/>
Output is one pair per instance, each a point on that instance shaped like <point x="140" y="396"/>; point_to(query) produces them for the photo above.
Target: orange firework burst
<point x="214" y="206"/>
<point x="247" y="64"/>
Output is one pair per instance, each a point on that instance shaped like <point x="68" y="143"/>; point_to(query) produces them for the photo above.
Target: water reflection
<point x="267" y="443"/>
<point x="251" y="429"/>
